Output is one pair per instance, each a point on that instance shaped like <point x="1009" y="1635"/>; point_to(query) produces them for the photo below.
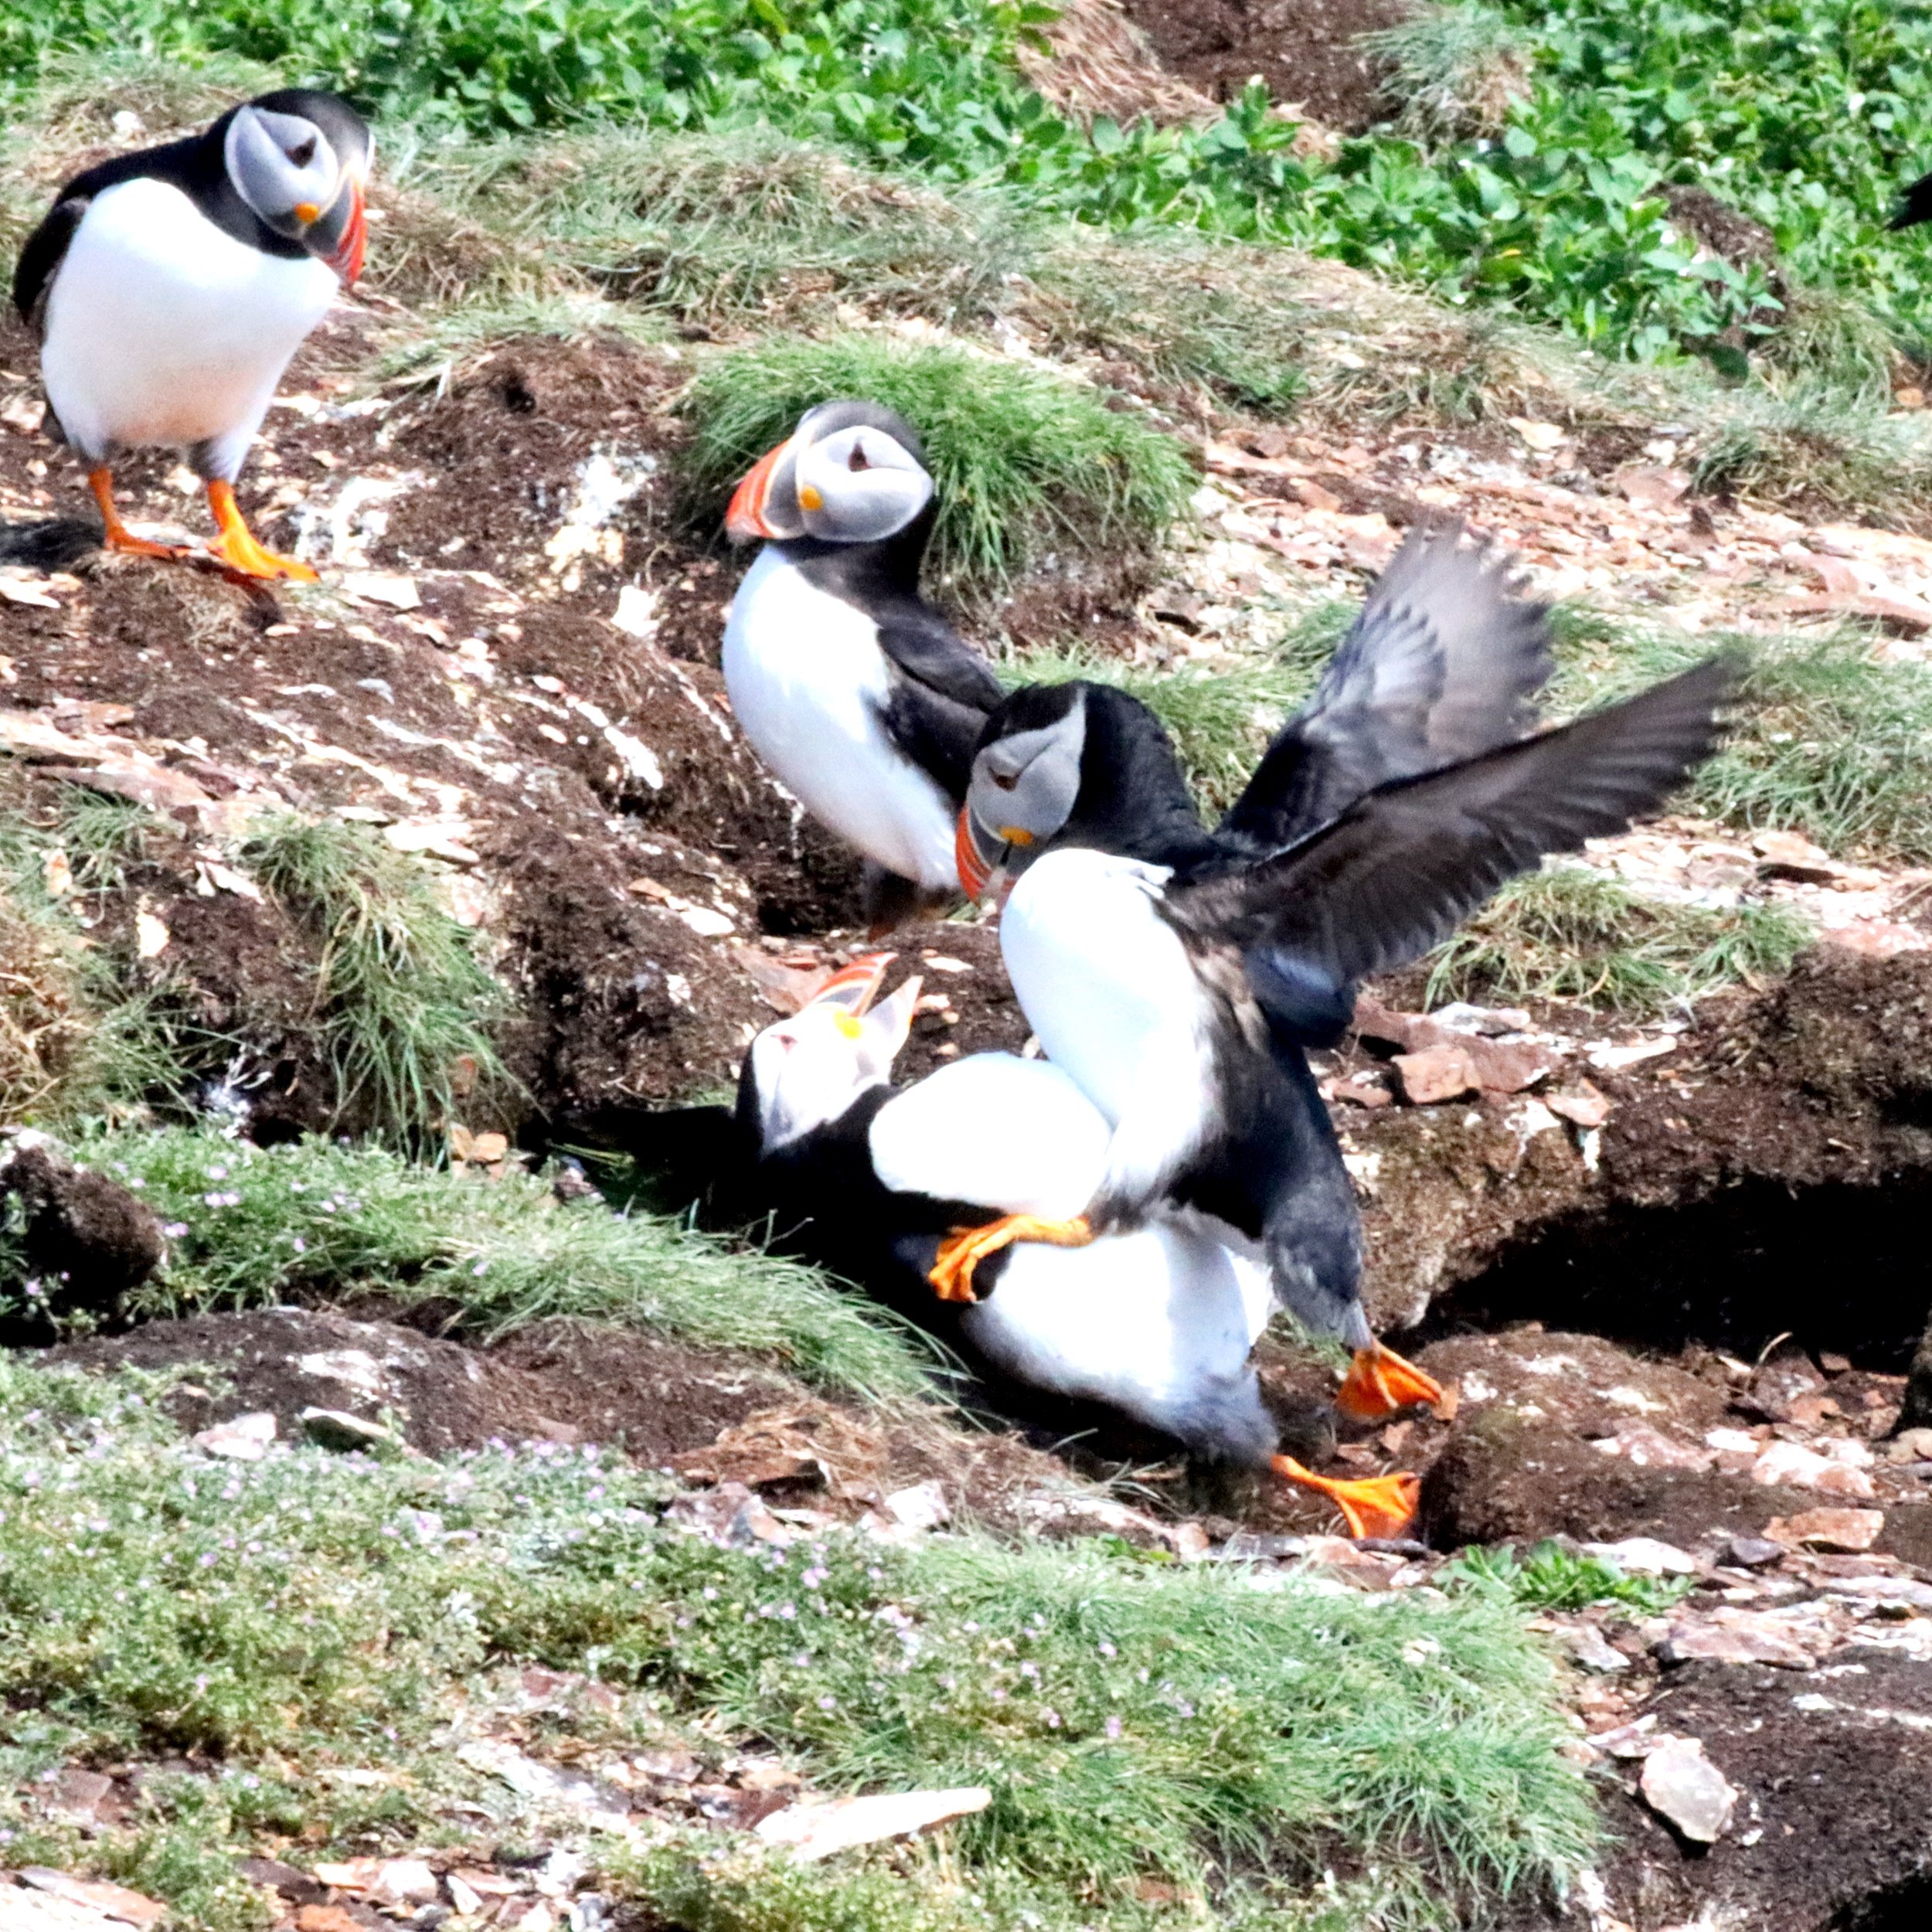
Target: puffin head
<point x="852" y="472"/>
<point x="1026" y="782"/>
<point x="804" y="1073"/>
<point x="299" y="158"/>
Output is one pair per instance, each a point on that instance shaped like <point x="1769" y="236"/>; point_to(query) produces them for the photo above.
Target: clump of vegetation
<point x="1134" y="1720"/>
<point x="1569" y="934"/>
<point x="1456" y="71"/>
<point x="252" y="1227"/>
<point x="402" y="1006"/>
<point x="1549" y="1576"/>
<point x="1026" y="462"/>
<point x="79" y="1038"/>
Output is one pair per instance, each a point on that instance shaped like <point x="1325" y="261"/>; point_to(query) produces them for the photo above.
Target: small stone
<point x="1742" y="1637"/>
<point x="1591" y="1649"/>
<point x="1753" y="1553"/>
<point x="1191" y="1541"/>
<point x="1786" y="855"/>
<point x="1849" y="1529"/>
<point x="404" y="1882"/>
<point x="1435" y="1073"/>
<point x="1682" y="1784"/>
<point x="1911" y="1445"/>
<point x="112" y="1902"/>
<point x="241" y="1438"/>
<point x="1644" y="1557"/>
<point x="78" y="1794"/>
<point x="1581" y="1103"/>
<point x="1792" y="1464"/>
<point x="818" y="1827"/>
<point x="922" y="1507"/>
<point x="337" y="1428"/>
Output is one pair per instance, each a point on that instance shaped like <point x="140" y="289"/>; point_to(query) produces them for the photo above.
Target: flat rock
<point x="1741" y="1637"/>
<point x="1437" y="1073"/>
<point x="1681" y="1784"/>
<point x="816" y="1829"/>
<point x="337" y="1428"/>
<point x="1849" y="1529"/>
<point x="1644" y="1557"/>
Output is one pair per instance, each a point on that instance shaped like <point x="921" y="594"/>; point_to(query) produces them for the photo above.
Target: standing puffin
<point x="1177" y="974"/>
<point x="879" y="1184"/>
<point x="859" y="697"/>
<point x="169" y="288"/>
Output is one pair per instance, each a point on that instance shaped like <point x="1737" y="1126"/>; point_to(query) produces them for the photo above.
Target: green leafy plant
<point x="1548" y="1576"/>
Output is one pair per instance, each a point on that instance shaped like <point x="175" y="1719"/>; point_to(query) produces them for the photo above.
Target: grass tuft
<point x="253" y="1227"/>
<point x="1026" y="462"/>
<point x="402" y="1006"/>
<point x="1569" y="934"/>
<point x="1549" y="1576"/>
<point x="1455" y="70"/>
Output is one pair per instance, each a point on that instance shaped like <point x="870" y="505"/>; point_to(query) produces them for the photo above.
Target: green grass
<point x="80" y="1036"/>
<point x="1026" y="462"/>
<point x="291" y="1620"/>
<point x="403" y="1008"/>
<point x="1568" y="934"/>
<point x="1549" y="1576"/>
<point x="253" y="1227"/>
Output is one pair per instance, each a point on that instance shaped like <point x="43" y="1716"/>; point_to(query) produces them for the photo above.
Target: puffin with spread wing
<point x="1177" y="973"/>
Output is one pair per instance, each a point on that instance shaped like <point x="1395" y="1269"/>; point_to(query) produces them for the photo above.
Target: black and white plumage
<point x="862" y="701"/>
<point x="1177" y="973"/>
<point x="169" y="288"/>
<point x="1154" y="1323"/>
<point x="1915" y="206"/>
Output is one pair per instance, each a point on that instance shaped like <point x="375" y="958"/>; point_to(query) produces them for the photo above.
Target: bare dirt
<point x="1304" y="50"/>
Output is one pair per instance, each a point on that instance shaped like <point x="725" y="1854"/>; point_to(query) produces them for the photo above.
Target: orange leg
<point x="115" y="533"/>
<point x="1379" y="1382"/>
<point x="951" y="1274"/>
<point x="1375" y="1506"/>
<point x="236" y="547"/>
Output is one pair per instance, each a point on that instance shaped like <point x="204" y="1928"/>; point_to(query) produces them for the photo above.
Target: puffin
<point x="879" y="1184"/>
<point x="169" y="289"/>
<point x="1915" y="206"/>
<point x="858" y="695"/>
<point x="1178" y="974"/>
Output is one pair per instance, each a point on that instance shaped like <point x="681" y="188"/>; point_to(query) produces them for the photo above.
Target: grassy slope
<point x="301" y="1621"/>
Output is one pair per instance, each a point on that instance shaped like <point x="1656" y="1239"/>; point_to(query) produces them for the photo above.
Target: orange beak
<point x="347" y="260"/>
<point x="856" y="986"/>
<point x="746" y="517"/>
<point x="1379" y="1382"/>
<point x="974" y="873"/>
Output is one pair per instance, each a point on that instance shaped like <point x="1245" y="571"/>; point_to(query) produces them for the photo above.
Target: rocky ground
<point x="1670" y="1269"/>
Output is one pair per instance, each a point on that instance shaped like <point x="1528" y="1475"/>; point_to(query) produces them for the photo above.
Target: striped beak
<point x="975" y="864"/>
<point x="765" y="504"/>
<point x="339" y="235"/>
<point x="853" y="988"/>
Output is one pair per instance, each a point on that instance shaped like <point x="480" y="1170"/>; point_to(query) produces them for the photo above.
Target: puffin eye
<point x="304" y="152"/>
<point x="1006" y="780"/>
<point x="858" y="459"/>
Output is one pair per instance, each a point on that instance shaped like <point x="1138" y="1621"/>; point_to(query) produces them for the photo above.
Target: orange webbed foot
<point x="235" y="547"/>
<point x="951" y="1274"/>
<point x="114" y="534"/>
<point x="1379" y="1383"/>
<point x="1370" y="1506"/>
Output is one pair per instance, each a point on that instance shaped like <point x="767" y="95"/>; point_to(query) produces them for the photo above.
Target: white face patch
<point x="858" y="485"/>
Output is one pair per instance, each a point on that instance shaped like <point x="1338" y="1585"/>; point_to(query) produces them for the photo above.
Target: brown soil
<point x="1836" y="1802"/>
<point x="1304" y="50"/>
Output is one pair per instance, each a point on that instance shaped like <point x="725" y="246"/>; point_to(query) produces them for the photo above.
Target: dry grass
<point x="1096" y="62"/>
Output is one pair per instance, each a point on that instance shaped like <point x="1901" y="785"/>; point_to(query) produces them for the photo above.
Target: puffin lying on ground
<point x="860" y="698"/>
<point x="1155" y="1323"/>
<point x="170" y="288"/>
<point x="1177" y="973"/>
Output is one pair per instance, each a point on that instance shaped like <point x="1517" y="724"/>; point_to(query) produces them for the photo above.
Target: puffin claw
<point x="1372" y="1506"/>
<point x="961" y="1252"/>
<point x="1379" y="1383"/>
<point x="237" y="550"/>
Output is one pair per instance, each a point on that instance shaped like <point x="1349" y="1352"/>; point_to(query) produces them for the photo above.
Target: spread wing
<point x="1398" y="869"/>
<point x="1442" y="664"/>
<point x="40" y="259"/>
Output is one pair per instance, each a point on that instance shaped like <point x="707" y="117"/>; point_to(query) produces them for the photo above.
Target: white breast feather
<point x="1015" y="1136"/>
<point x="1158" y="1324"/>
<point x="162" y="329"/>
<point x="1107" y="985"/>
<point x="807" y="680"/>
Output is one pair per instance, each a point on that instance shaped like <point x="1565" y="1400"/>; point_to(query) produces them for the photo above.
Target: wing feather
<point x="1398" y="870"/>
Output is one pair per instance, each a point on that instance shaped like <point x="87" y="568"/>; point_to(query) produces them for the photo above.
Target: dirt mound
<point x="1304" y="50"/>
